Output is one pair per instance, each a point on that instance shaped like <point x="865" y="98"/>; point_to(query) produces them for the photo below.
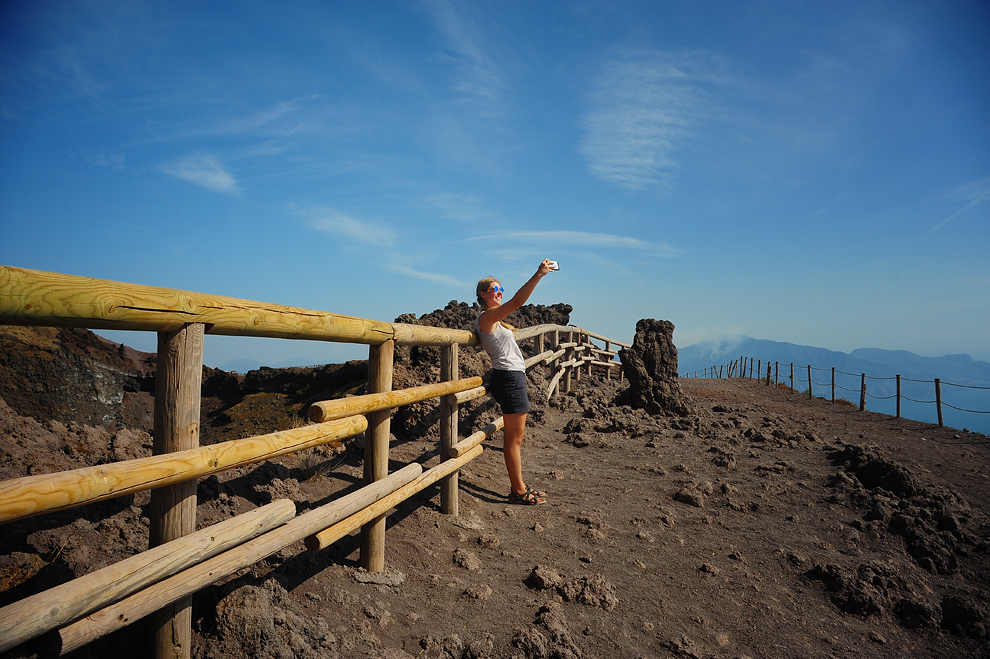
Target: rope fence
<point x="739" y="368"/>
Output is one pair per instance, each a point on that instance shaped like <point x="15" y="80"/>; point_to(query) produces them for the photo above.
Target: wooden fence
<point x="161" y="581"/>
<point x="738" y="368"/>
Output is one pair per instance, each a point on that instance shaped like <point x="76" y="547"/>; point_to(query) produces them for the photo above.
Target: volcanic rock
<point x="651" y="366"/>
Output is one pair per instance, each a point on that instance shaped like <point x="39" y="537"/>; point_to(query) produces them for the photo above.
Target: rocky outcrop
<point x="651" y="366"/>
<point x="67" y="374"/>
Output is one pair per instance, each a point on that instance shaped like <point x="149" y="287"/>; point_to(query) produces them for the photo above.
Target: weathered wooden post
<point x="776" y="374"/>
<point x="833" y="384"/>
<point x="759" y="368"/>
<point x="448" y="428"/>
<point x="792" y="377"/>
<point x="810" y="394"/>
<point x="178" y="380"/>
<point x="768" y="374"/>
<point x="938" y="400"/>
<point x="568" y="356"/>
<point x="608" y="370"/>
<point x="376" y="439"/>
<point x="577" y="355"/>
<point x="862" y="393"/>
<point x="898" y="396"/>
<point x="589" y="353"/>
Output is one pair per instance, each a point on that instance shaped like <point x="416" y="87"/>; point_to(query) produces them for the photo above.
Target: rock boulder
<point x="651" y="366"/>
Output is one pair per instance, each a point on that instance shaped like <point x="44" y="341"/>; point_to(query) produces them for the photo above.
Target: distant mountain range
<point x="959" y="374"/>
<point x="242" y="366"/>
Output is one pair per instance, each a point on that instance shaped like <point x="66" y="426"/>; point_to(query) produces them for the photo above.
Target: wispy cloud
<point x="114" y="160"/>
<point x="977" y="193"/>
<point x="643" y="105"/>
<point x="205" y="170"/>
<point x="428" y="276"/>
<point x="456" y="206"/>
<point x="580" y="238"/>
<point x="332" y="221"/>
<point x="480" y="83"/>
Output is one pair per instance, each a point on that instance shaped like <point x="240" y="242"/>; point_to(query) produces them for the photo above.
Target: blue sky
<point x="816" y="173"/>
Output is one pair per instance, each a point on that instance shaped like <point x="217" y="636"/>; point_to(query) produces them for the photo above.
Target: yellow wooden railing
<point x="181" y="560"/>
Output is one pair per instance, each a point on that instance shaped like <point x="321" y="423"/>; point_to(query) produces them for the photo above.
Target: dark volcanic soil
<point x="764" y="524"/>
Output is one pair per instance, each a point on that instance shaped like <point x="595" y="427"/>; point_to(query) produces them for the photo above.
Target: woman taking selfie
<point x="507" y="383"/>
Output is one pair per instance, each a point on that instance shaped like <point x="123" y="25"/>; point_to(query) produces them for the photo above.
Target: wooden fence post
<point x="862" y="393"/>
<point x="448" y="429"/>
<point x="776" y="374"/>
<point x="577" y="367"/>
<point x="178" y="380"/>
<point x="759" y="368"/>
<point x="898" y="396"/>
<point x="608" y="371"/>
<point x="810" y="394"/>
<point x="751" y="369"/>
<point x="938" y="400"/>
<point x="833" y="384"/>
<point x="792" y="377"/>
<point x="376" y="439"/>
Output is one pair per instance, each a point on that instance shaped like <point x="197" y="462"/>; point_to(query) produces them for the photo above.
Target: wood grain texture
<point x="380" y="361"/>
<point x="178" y="380"/>
<point x="448" y="430"/>
<point x="34" y="615"/>
<point x="472" y="440"/>
<point x="425" y="335"/>
<point x="187" y="582"/>
<point x="31" y="495"/>
<point x="374" y="402"/>
<point x="33" y="297"/>
<point x="329" y="536"/>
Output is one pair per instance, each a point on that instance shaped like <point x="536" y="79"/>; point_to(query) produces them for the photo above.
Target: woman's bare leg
<point x="515" y="428"/>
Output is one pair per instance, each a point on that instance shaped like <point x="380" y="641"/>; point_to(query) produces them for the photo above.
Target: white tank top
<point x="501" y="346"/>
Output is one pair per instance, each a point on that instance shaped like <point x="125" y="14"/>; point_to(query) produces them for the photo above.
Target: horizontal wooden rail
<point x="536" y="330"/>
<point x="189" y="581"/>
<point x="34" y="297"/>
<point x="469" y="442"/>
<point x="342" y="407"/>
<point x="37" y="614"/>
<point x="327" y="537"/>
<point x="605" y="338"/>
<point x="31" y="495"/>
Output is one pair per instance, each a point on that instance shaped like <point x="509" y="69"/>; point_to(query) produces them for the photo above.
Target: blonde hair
<point x="483" y="286"/>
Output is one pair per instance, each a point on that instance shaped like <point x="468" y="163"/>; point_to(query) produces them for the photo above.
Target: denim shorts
<point x="508" y="388"/>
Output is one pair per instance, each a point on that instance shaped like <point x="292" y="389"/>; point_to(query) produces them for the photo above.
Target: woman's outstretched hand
<point x="544" y="268"/>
